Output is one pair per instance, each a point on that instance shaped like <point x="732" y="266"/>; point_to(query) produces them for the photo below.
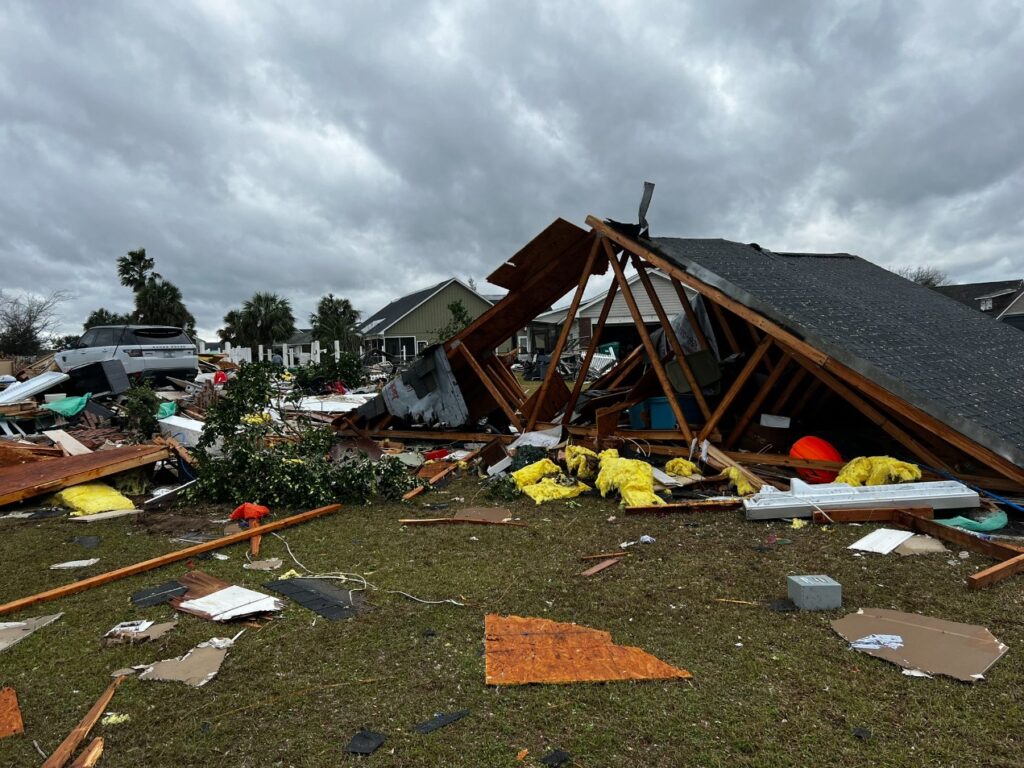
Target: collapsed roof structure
<point x="882" y="359"/>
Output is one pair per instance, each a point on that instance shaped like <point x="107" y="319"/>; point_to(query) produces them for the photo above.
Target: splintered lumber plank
<point x="90" y="755"/>
<point x="492" y="388"/>
<point x="652" y="353"/>
<point x="171" y="557"/>
<point x="995" y="573"/>
<point x="993" y="549"/>
<point x="563" y="336"/>
<point x="880" y="515"/>
<point x="595" y="340"/>
<point x="409" y="495"/>
<point x="28" y="480"/>
<point x="701" y="505"/>
<point x="601" y="566"/>
<point x="719" y="460"/>
<point x="733" y="391"/>
<point x="670" y="336"/>
<point x="67" y="748"/>
<point x="178" y="448"/>
<point x="67" y="442"/>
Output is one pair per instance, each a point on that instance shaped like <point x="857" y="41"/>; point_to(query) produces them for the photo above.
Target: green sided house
<point x="407" y="325"/>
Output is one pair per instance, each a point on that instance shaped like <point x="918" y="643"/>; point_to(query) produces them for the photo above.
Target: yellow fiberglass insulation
<point x="878" y="470"/>
<point x="743" y="486"/>
<point x="681" y="468"/>
<point x="581" y="461"/>
<point x="550" y="489"/>
<point x="632" y="478"/>
<point x="532" y="473"/>
<point x="90" y="498"/>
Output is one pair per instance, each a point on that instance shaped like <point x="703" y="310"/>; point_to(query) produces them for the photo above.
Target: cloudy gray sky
<point x="372" y="148"/>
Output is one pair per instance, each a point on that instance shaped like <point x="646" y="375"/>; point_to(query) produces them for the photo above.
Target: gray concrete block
<point x="815" y="593"/>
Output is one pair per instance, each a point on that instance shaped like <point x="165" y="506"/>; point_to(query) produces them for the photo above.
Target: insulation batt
<point x="532" y="474"/>
<point x="878" y="470"/>
<point x="632" y="478"/>
<point x="550" y="489"/>
<point x="681" y="467"/>
<point x="581" y="461"/>
<point x="90" y="498"/>
<point x="742" y="485"/>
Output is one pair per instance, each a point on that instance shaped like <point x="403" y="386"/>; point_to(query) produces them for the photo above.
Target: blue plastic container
<point x="661" y="412"/>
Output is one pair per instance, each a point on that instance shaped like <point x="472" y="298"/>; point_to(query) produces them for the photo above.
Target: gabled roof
<point x="384" y="318"/>
<point x="1002" y="293"/>
<point x="954" y="363"/>
<point x="557" y="315"/>
<point x="300" y="337"/>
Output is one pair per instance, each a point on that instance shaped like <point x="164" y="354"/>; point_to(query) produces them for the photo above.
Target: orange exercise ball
<point x="816" y="449"/>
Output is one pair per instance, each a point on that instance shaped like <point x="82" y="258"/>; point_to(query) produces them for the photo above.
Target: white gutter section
<point x="802" y="499"/>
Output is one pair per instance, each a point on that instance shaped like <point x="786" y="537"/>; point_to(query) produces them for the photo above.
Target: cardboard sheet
<point x="934" y="646"/>
<point x="527" y="650"/>
<point x="196" y="668"/>
<point x="12" y="632"/>
<point x="882" y="541"/>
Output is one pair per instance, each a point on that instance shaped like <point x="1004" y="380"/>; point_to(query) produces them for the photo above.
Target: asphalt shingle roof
<point x="384" y="318"/>
<point x="956" y="364"/>
<point x="969" y="293"/>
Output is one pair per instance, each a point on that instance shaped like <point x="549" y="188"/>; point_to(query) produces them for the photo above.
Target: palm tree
<point x="160" y="302"/>
<point x="232" y="327"/>
<point x="264" y="319"/>
<point x="104" y="316"/>
<point x="135" y="268"/>
<point x="335" y="318"/>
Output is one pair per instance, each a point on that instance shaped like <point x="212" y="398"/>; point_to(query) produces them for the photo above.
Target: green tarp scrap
<point x="69" y="406"/>
<point x="989" y="524"/>
<point x="166" y="409"/>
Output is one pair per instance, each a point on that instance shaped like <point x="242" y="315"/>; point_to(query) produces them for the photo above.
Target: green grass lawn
<point x="769" y="689"/>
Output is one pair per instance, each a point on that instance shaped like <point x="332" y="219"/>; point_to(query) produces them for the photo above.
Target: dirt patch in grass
<point x="769" y="689"/>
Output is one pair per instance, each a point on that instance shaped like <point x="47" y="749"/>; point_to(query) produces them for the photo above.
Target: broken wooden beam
<point x="157" y="562"/>
<point x="25" y="481"/>
<point x="880" y="515"/>
<point x="67" y="748"/>
<point x="995" y="573"/>
<point x="593" y="570"/>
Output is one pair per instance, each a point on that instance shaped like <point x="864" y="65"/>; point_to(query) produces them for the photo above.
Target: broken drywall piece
<point x="71" y="564"/>
<point x="933" y="646"/>
<point x="232" y="602"/>
<point x="544" y="438"/>
<point x="881" y="541"/>
<point x="197" y="667"/>
<point x="10" y="714"/>
<point x="920" y="544"/>
<point x="133" y="632"/>
<point x="522" y="650"/>
<point x="12" y="632"/>
<point x="271" y="564"/>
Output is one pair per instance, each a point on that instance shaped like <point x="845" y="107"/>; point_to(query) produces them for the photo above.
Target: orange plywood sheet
<point x="10" y="714"/>
<point x="523" y="650"/>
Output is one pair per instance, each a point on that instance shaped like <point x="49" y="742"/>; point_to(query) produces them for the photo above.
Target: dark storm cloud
<point x="373" y="148"/>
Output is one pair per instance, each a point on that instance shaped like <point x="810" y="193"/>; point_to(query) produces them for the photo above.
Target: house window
<point x="400" y="346"/>
<point x="420" y="346"/>
<point x="986" y="305"/>
<point x="523" y="342"/>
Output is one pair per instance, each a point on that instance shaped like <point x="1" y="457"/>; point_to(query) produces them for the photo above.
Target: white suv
<point x="146" y="351"/>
